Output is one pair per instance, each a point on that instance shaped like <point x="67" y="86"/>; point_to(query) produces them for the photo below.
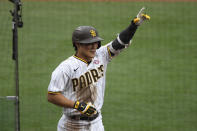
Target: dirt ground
<point x="121" y="0"/>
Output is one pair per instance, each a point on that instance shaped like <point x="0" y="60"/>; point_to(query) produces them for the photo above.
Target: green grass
<point x="151" y="86"/>
<point x="7" y="112"/>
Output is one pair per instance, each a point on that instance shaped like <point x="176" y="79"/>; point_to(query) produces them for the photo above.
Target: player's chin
<point x="92" y="54"/>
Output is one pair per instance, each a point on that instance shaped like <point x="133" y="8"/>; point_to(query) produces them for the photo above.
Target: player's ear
<point x="76" y="45"/>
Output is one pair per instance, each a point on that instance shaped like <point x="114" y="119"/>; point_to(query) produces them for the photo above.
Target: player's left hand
<point x="141" y="17"/>
<point x="85" y="108"/>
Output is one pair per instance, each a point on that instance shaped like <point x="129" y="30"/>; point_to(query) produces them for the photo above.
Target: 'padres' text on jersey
<point x="88" y="78"/>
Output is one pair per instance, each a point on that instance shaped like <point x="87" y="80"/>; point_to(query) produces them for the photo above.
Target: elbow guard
<point x="124" y="37"/>
<point x="117" y="44"/>
<point x="123" y="40"/>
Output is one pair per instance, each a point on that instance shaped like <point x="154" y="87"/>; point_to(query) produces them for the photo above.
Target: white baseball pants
<point x="66" y="125"/>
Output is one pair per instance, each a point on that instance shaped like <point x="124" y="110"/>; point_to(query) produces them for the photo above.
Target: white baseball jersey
<point x="78" y="80"/>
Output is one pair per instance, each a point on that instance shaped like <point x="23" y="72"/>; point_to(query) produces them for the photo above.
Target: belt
<point x="82" y="117"/>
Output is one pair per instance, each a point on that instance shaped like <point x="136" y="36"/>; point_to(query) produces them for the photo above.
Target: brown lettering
<point x="95" y="75"/>
<point x="88" y="78"/>
<point x="82" y="81"/>
<point x="75" y="83"/>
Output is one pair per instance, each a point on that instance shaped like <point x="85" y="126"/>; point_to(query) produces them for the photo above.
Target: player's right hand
<point x="141" y="17"/>
<point x="85" y="108"/>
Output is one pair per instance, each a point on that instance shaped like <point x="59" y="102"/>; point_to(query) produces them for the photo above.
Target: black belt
<point x="83" y="117"/>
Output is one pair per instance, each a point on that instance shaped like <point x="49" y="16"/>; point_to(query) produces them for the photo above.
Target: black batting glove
<point x="85" y="108"/>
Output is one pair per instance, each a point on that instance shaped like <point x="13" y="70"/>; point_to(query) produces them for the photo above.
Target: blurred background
<point x="151" y="86"/>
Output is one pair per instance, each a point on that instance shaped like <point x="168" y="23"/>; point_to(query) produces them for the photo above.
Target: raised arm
<point x="124" y="38"/>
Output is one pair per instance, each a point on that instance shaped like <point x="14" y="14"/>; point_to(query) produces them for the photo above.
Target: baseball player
<point x="78" y="83"/>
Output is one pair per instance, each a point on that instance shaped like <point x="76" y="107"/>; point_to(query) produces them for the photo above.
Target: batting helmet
<point x="85" y="35"/>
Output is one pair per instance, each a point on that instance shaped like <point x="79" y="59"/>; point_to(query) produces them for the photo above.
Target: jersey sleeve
<point x="105" y="52"/>
<point x="58" y="81"/>
<point x="109" y="52"/>
<point x="114" y="52"/>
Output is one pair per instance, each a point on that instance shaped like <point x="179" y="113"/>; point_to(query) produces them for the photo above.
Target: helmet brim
<point x="91" y="40"/>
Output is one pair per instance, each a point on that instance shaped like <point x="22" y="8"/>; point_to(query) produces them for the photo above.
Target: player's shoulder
<point x="103" y="50"/>
<point x="103" y="47"/>
<point x="67" y="62"/>
<point x="65" y="66"/>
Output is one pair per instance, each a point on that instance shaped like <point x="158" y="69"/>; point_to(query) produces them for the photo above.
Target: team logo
<point x="96" y="61"/>
<point x="76" y="69"/>
<point x="93" y="33"/>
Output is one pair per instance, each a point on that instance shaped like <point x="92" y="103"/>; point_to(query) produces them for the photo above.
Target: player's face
<point x="87" y="51"/>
